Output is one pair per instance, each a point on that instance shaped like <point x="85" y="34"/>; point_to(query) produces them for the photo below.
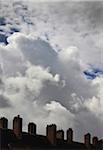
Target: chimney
<point x="87" y="139"/>
<point x="51" y="133"/>
<point x="95" y="141"/>
<point x="70" y="135"/>
<point x="60" y="134"/>
<point x="100" y="144"/>
<point x="17" y="126"/>
<point x="32" y="128"/>
<point x="3" y="123"/>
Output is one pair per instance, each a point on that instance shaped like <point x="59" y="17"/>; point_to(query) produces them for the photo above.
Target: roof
<point x="28" y="141"/>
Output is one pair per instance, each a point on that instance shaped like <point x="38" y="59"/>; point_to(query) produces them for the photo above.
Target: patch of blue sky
<point x="93" y="73"/>
<point x="12" y="30"/>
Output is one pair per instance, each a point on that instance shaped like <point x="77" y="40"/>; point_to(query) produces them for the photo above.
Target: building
<point x="16" y="139"/>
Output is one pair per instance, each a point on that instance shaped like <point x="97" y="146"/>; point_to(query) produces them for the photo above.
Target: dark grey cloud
<point x="39" y="52"/>
<point x="4" y="102"/>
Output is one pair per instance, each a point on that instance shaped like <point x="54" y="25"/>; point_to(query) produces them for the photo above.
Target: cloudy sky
<point x="51" y="66"/>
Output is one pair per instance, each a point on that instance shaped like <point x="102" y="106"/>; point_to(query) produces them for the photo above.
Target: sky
<point x="51" y="66"/>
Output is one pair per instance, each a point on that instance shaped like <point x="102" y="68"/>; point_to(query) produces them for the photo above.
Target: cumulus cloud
<point x="44" y="87"/>
<point x="42" y="67"/>
<point x="96" y="104"/>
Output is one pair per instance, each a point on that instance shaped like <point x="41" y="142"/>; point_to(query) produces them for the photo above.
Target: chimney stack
<point x="70" y="135"/>
<point x="3" y="123"/>
<point x="51" y="133"/>
<point x="32" y="128"/>
<point x="95" y="141"/>
<point x="60" y="134"/>
<point x="87" y="139"/>
<point x="17" y="126"/>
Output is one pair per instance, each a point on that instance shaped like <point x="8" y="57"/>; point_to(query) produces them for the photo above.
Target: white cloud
<point x="49" y="89"/>
<point x="68" y="54"/>
<point x="96" y="103"/>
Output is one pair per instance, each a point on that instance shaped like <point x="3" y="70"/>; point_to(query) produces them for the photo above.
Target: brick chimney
<point x="95" y="141"/>
<point x="51" y="133"/>
<point x="70" y="135"/>
<point x="87" y="139"/>
<point x="32" y="128"/>
<point x="60" y="134"/>
<point x="3" y="123"/>
<point x="17" y="126"/>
